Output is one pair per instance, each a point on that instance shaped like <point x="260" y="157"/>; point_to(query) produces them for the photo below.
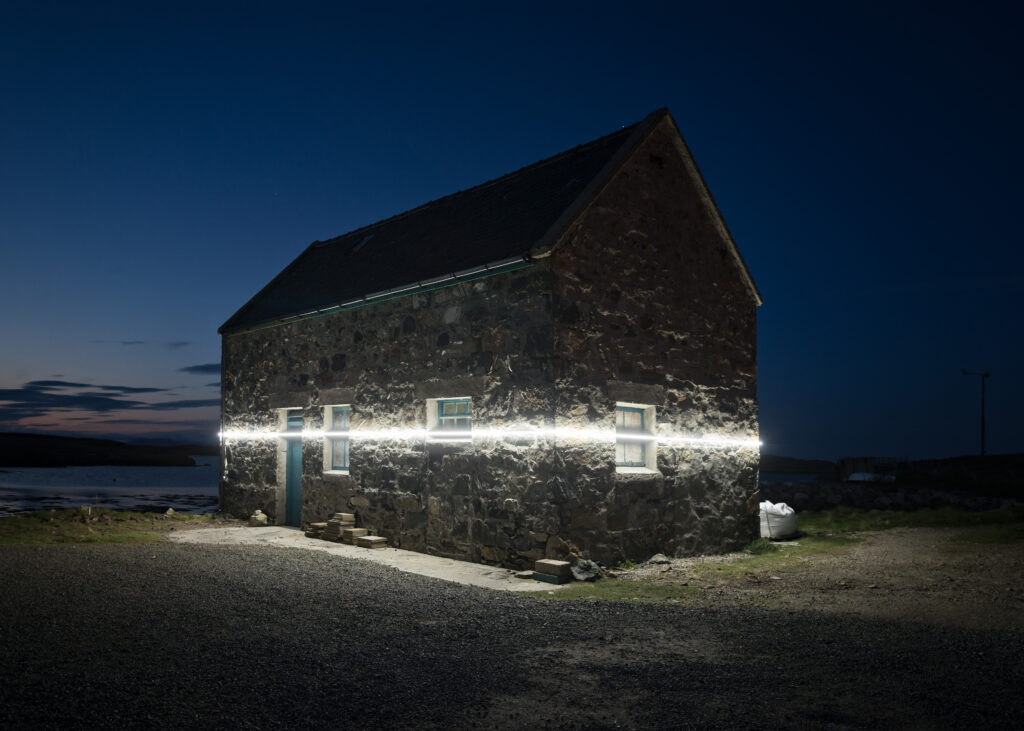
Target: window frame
<point x="453" y="427"/>
<point x="333" y="411"/>
<point x="624" y="430"/>
<point x="648" y="461"/>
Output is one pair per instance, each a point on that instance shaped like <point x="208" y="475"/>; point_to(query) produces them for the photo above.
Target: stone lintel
<point x="636" y="393"/>
<point x="330" y="396"/>
<point x="461" y="386"/>
<point x="289" y="400"/>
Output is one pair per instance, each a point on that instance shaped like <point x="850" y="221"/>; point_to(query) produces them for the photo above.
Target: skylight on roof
<point x="362" y="243"/>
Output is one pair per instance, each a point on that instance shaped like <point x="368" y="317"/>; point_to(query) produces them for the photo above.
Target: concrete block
<point x="345" y="517"/>
<point x="548" y="578"/>
<point x="553" y="567"/>
<point x="353" y="532"/>
<point x="372" y="542"/>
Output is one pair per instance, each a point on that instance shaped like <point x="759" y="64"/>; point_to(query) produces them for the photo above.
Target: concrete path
<point x="462" y="572"/>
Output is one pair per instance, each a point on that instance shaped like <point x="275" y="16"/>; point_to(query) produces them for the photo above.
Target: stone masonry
<point x="640" y="300"/>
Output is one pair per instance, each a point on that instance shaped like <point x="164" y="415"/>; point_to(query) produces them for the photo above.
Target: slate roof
<point x="506" y="218"/>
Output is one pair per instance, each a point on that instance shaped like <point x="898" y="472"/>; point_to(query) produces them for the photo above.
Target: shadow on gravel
<point x="202" y="636"/>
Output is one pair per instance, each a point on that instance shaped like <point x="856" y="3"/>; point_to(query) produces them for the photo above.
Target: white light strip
<point x="484" y="434"/>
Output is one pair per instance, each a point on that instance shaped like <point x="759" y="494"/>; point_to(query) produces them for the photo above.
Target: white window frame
<point x="627" y="438"/>
<point x="454" y="424"/>
<point x="337" y="435"/>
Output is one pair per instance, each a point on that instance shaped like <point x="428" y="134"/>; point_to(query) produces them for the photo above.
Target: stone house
<point x="561" y="359"/>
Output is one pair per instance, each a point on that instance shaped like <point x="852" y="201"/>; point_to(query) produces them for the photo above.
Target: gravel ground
<point x="201" y="636"/>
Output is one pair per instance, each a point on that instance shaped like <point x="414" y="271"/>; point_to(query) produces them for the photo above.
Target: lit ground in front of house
<point x="194" y="635"/>
<point x="462" y="572"/>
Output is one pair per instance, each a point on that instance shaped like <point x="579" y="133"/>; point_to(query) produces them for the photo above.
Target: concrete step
<point x="548" y="578"/>
<point x="552" y="567"/>
<point x="372" y="542"/>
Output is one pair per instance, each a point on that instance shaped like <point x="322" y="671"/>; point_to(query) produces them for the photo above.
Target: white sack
<point x="778" y="520"/>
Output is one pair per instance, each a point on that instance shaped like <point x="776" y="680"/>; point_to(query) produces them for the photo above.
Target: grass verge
<point x="629" y="591"/>
<point x="849" y="520"/>
<point x="825" y="533"/>
<point x="93" y="525"/>
<point x="999" y="533"/>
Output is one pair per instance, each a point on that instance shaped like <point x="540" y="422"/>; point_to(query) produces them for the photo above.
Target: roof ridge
<point x="553" y="186"/>
<point x="601" y="178"/>
<point x="480" y="186"/>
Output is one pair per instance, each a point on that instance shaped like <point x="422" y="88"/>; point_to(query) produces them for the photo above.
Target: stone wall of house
<point x="641" y="302"/>
<point x="489" y="339"/>
<point x="650" y="307"/>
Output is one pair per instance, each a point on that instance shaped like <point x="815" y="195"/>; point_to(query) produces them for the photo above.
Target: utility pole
<point x="984" y="375"/>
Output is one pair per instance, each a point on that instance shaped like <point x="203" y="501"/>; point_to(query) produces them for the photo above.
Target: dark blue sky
<point x="159" y="165"/>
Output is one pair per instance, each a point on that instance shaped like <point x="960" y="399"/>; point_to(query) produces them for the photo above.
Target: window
<point x="629" y="420"/>
<point x="453" y="415"/>
<point x="634" y="431"/>
<point x="336" y="457"/>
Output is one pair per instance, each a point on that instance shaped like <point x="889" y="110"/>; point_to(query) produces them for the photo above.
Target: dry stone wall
<point x="642" y="302"/>
<point x="489" y="340"/>
<point x="651" y="307"/>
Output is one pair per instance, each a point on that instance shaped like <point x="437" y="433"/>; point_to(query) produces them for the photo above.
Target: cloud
<point x="206" y="369"/>
<point x="38" y="398"/>
<point x="215" y="384"/>
<point x="47" y="385"/>
<point x="132" y="389"/>
<point x="149" y="422"/>
<point x="65" y="400"/>
<point x="172" y="344"/>
<point x="185" y="404"/>
<point x="50" y="386"/>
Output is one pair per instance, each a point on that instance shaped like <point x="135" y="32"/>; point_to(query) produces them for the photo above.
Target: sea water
<point x="186" y="489"/>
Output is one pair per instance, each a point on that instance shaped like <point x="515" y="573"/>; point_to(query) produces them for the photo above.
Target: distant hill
<point x="44" y="450"/>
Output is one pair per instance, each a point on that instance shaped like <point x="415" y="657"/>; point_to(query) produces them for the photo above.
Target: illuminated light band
<point x="477" y="434"/>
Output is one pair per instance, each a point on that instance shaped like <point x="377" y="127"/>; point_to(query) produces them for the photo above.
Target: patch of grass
<point x="626" y="565"/>
<point x="761" y="545"/>
<point x="785" y="557"/>
<point x="94" y="525"/>
<point x="826" y="533"/>
<point x="625" y="590"/>
<point x="849" y="520"/>
<point x="1004" y="533"/>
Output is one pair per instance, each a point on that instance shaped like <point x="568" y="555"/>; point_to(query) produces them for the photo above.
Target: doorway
<point x="293" y="469"/>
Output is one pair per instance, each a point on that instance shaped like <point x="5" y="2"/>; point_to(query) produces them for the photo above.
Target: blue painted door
<point x="293" y="470"/>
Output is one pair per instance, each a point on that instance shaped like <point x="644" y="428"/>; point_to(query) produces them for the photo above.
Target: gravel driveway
<point x="201" y="636"/>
